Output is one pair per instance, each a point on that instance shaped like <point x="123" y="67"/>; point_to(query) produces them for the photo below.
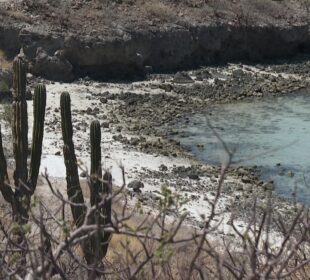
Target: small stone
<point x="29" y="76"/>
<point x="246" y="180"/>
<point x="58" y="153"/>
<point x="103" y="100"/>
<point x="105" y="125"/>
<point x="134" y="141"/>
<point x="193" y="176"/>
<point x="268" y="186"/>
<point x="290" y="174"/>
<point x="242" y="171"/>
<point x="163" y="167"/>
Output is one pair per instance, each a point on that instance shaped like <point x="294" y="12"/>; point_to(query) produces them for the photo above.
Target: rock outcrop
<point x="55" y="67"/>
<point x="162" y="49"/>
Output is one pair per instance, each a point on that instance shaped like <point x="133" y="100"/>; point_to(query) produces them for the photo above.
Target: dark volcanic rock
<point x="136" y="185"/>
<point x="182" y="78"/>
<point x="56" y="67"/>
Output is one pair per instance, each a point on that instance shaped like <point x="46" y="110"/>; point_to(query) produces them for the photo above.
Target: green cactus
<point x="39" y="104"/>
<point x="96" y="247"/>
<point x="24" y="188"/>
<point x="95" y="167"/>
<point x="20" y="127"/>
<point x="98" y="188"/>
<point x="74" y="190"/>
<point x="106" y="212"/>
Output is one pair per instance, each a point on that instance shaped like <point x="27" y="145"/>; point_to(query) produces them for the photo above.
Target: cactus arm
<point x="106" y="211"/>
<point x="95" y="168"/>
<point x="100" y="188"/>
<point x="39" y="104"/>
<point x="20" y="142"/>
<point x="4" y="178"/>
<point x="74" y="190"/>
<point x="19" y="82"/>
<point x="20" y="125"/>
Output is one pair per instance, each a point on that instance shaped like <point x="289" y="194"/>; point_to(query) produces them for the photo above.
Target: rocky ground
<point x="138" y="120"/>
<point x="199" y="90"/>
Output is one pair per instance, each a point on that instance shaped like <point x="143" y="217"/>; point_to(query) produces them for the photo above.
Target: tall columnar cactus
<point x="39" y="104"/>
<point x="95" y="248"/>
<point x="95" y="167"/>
<point x="24" y="187"/>
<point x="100" y="188"/>
<point x="74" y="190"/>
<point x="20" y="127"/>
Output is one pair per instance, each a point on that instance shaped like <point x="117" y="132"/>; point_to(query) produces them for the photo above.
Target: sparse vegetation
<point x="102" y="15"/>
<point x="7" y="113"/>
<point x="4" y="87"/>
<point x="105" y="235"/>
<point x="5" y="64"/>
<point x="147" y="245"/>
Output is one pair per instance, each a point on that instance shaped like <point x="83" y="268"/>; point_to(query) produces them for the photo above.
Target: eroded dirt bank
<point x="133" y="53"/>
<point x="127" y="39"/>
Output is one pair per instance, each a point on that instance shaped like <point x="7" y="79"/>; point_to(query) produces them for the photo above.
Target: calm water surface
<point x="273" y="134"/>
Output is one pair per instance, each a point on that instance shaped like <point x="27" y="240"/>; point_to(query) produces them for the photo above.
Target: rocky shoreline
<point x="137" y="118"/>
<point x="154" y="115"/>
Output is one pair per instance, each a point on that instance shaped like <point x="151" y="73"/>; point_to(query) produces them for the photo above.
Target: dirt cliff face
<point x="120" y="39"/>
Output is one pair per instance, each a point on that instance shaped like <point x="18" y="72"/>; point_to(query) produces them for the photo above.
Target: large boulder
<point x="56" y="67"/>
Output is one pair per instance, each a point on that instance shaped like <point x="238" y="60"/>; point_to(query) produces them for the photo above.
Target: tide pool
<point x="272" y="133"/>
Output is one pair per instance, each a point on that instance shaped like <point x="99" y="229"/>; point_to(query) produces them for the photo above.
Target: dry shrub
<point x="5" y="63"/>
<point x="157" y="244"/>
<point x="159" y="10"/>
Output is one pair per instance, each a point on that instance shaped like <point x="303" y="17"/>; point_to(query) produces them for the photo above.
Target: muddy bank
<point x="131" y="53"/>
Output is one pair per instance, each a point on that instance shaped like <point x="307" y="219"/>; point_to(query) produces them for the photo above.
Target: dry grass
<point x="169" y="261"/>
<point x="5" y="64"/>
<point x="160" y="10"/>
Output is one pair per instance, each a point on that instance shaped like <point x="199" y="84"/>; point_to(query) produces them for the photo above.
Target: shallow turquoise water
<point x="264" y="133"/>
